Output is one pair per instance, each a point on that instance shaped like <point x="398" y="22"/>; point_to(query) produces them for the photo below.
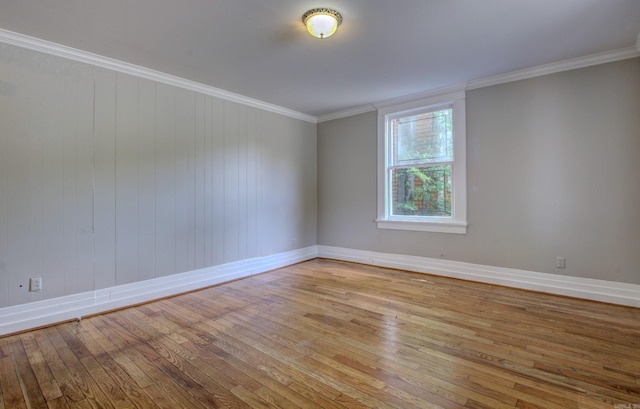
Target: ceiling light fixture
<point x="322" y="22"/>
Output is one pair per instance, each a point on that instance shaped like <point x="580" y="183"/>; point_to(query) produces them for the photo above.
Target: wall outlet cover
<point x="35" y="284"/>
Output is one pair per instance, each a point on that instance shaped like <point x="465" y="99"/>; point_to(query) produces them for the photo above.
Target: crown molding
<point x="566" y="65"/>
<point x="347" y="113"/>
<point x="36" y="44"/>
<point x="392" y="102"/>
<point x="436" y="92"/>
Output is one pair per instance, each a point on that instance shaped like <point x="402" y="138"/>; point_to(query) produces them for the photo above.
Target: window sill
<point x="428" y="226"/>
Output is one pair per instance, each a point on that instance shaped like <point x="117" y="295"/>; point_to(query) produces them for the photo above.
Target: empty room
<point x="341" y="204"/>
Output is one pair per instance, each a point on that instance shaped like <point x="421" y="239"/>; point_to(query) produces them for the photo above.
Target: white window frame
<point x="457" y="222"/>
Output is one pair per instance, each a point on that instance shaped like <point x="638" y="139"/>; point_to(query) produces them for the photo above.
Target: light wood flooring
<point x="326" y="334"/>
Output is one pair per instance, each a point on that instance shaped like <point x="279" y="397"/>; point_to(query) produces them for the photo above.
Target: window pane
<point x="423" y="138"/>
<point x="421" y="191"/>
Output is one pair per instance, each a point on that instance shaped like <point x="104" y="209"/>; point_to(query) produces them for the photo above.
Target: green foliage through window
<point x="424" y="191"/>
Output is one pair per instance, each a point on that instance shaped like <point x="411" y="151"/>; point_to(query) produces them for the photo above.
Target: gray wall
<point x="108" y="179"/>
<point x="553" y="167"/>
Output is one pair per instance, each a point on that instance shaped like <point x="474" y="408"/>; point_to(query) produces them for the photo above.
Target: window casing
<point x="422" y="165"/>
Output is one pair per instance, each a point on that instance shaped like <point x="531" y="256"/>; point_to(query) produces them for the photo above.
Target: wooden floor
<point x="327" y="334"/>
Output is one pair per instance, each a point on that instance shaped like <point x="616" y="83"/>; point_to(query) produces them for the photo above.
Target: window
<point x="422" y="165"/>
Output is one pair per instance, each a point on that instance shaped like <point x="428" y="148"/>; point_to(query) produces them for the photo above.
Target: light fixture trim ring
<point x="322" y="10"/>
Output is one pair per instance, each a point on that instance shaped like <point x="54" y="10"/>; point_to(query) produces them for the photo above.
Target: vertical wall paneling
<point x="53" y="116"/>
<point x="70" y="223"/>
<point x="200" y="181"/>
<point x="260" y="214"/>
<point x="84" y="279"/>
<point x="252" y="186"/>
<point x="185" y="181"/>
<point x="208" y="185"/>
<point x="31" y="138"/>
<point x="105" y="178"/>
<point x="190" y="147"/>
<point x="231" y="188"/>
<point x="308" y="160"/>
<point x="275" y="198"/>
<point x="269" y="200"/>
<point x="127" y="162"/>
<point x="146" y="179"/>
<point x="109" y="179"/>
<point x="27" y="72"/>
<point x="7" y="91"/>
<point x="166" y="180"/>
<point x="21" y="208"/>
<point x="9" y="126"/>
<point x="217" y="181"/>
<point x="243" y="192"/>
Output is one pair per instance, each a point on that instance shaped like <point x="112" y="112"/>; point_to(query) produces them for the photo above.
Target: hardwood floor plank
<point x="83" y="387"/>
<point x="12" y="395"/>
<point x="58" y="403"/>
<point x="84" y="404"/>
<point x="249" y="398"/>
<point x="45" y="379"/>
<point x="494" y="404"/>
<point x="251" y="358"/>
<point x="58" y="368"/>
<point x="32" y="392"/>
<point x="106" y="385"/>
<point x="204" y="389"/>
<point x="352" y="384"/>
<point x="179" y="397"/>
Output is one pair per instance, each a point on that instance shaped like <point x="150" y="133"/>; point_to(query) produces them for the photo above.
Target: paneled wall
<point x="108" y="179"/>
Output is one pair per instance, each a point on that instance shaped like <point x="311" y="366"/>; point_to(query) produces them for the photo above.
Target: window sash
<point x="424" y="191"/>
<point x="422" y="138"/>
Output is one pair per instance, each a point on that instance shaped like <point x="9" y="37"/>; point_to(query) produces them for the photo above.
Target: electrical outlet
<point x="35" y="284"/>
<point x="560" y="262"/>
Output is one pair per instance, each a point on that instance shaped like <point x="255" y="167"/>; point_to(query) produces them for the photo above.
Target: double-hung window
<point x="422" y="165"/>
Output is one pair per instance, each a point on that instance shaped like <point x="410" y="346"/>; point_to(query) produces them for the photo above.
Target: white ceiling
<point x="384" y="49"/>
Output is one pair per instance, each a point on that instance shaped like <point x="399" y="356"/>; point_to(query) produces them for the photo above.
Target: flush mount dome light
<point x="322" y="22"/>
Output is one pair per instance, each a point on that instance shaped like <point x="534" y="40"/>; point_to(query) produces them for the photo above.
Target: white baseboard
<point x="586" y="288"/>
<point x="42" y="313"/>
